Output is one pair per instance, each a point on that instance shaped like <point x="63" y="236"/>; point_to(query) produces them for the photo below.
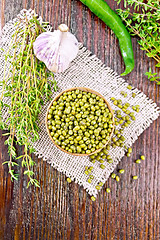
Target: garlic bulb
<point x="56" y="49"/>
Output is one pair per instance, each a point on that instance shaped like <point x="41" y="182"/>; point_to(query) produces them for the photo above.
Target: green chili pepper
<point x="101" y="9"/>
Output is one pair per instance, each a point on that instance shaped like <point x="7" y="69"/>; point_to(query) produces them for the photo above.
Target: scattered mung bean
<point x="108" y="190"/>
<point x="93" y="198"/>
<point x="113" y="175"/>
<point x="135" y="177"/>
<point x="117" y="178"/>
<point x="69" y="180"/>
<point x="143" y="157"/>
<point x="121" y="171"/>
<point x="138" y="161"/>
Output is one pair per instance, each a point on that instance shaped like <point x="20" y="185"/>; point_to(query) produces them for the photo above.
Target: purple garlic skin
<point x="56" y="49"/>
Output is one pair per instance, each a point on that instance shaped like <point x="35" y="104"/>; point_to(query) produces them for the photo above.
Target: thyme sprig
<point x="25" y="85"/>
<point x="144" y="22"/>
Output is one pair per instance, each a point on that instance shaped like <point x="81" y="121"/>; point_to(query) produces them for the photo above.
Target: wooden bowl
<point x="86" y="90"/>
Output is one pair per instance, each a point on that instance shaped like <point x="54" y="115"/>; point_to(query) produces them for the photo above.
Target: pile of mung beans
<point x="80" y="122"/>
<point x="123" y="118"/>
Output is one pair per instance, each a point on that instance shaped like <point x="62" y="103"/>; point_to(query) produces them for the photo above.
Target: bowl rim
<point x="86" y="90"/>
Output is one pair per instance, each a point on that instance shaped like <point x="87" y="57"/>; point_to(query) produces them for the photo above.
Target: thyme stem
<point x="25" y="89"/>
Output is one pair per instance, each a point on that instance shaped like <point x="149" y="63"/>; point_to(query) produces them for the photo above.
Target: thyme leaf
<point x="25" y="84"/>
<point x="144" y="22"/>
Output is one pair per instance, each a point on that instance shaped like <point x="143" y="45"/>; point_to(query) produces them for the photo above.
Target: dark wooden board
<point x="58" y="210"/>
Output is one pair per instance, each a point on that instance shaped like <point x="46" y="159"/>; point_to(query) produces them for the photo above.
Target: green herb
<point x="153" y="76"/>
<point x="25" y="87"/>
<point x="108" y="16"/>
<point x="144" y="23"/>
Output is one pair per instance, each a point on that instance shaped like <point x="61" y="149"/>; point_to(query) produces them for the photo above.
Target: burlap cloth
<point x="86" y="71"/>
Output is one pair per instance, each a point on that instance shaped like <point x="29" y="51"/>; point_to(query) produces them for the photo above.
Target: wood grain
<point x="58" y="210"/>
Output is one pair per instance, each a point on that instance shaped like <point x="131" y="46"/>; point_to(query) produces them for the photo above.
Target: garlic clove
<point x="56" y="49"/>
<point x="63" y="27"/>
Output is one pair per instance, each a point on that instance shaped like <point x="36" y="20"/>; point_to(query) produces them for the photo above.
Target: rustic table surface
<point x="58" y="210"/>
